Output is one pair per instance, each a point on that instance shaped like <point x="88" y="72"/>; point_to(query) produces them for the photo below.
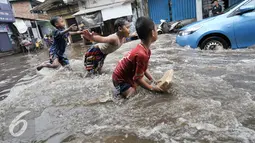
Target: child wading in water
<point x="133" y="67"/>
<point x="58" y="48"/>
<point x="95" y="56"/>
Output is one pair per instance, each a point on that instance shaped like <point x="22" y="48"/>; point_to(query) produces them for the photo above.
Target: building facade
<point x="60" y="8"/>
<point x="29" y="24"/>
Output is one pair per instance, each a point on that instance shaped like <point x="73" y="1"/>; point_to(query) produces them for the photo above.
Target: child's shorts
<point x="94" y="60"/>
<point x="62" y="59"/>
<point x="120" y="88"/>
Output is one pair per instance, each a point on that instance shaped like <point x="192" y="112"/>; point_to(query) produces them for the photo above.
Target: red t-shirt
<point x="133" y="66"/>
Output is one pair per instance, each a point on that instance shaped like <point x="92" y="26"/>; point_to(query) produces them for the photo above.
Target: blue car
<point x="233" y="29"/>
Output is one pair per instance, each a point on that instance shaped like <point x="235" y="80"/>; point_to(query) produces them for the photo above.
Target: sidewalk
<point x="5" y="54"/>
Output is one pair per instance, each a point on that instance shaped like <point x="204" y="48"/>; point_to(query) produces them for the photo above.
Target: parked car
<point x="235" y="28"/>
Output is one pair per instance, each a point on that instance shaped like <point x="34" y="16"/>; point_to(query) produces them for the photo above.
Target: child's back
<point x="133" y="66"/>
<point x="107" y="48"/>
<point x="59" y="41"/>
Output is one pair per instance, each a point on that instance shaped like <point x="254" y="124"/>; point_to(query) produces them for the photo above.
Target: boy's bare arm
<point x="147" y="86"/>
<point x="99" y="39"/>
<point x="149" y="76"/>
<point x="68" y="29"/>
<point x="75" y="33"/>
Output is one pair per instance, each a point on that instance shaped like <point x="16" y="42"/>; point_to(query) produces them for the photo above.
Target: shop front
<point x="101" y="19"/>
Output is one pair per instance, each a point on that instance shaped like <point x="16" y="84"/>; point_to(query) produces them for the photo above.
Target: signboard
<point x="6" y="14"/>
<point x="4" y="1"/>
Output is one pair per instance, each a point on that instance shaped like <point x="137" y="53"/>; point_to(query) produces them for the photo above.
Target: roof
<point x="89" y="10"/>
<point x="94" y="9"/>
<point x="50" y="4"/>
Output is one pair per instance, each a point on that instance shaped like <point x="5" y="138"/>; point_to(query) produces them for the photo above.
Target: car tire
<point x="160" y="32"/>
<point x="214" y="43"/>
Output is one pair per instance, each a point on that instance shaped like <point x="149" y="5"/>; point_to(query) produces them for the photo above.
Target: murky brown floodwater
<point x="212" y="99"/>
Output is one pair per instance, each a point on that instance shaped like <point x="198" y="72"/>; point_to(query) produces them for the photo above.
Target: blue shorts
<point x="62" y="59"/>
<point x="121" y="87"/>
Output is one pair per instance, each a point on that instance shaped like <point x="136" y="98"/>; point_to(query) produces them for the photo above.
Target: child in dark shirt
<point x="58" y="48"/>
<point x="132" y="68"/>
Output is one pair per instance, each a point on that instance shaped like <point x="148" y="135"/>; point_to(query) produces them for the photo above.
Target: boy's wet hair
<point x="119" y="23"/>
<point x="54" y="20"/>
<point x="144" y="27"/>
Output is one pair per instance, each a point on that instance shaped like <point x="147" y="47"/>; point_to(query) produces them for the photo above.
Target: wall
<point x="96" y="3"/>
<point x="66" y="12"/>
<point x="144" y="7"/>
<point x="183" y="9"/>
<point x="45" y="27"/>
<point x="199" y="11"/>
<point x="43" y="17"/>
<point x="159" y="10"/>
<point x="22" y="9"/>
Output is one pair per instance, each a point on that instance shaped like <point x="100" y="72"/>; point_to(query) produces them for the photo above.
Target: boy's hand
<point x="73" y="27"/>
<point x="79" y="32"/>
<point x="156" y="89"/>
<point x="88" y="35"/>
<point x="153" y="81"/>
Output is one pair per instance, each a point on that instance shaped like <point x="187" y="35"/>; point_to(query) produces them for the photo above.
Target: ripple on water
<point x="211" y="100"/>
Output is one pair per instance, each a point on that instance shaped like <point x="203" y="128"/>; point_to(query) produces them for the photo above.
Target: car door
<point x="244" y="27"/>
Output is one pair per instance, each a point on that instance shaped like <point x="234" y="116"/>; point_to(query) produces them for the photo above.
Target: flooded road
<point x="212" y="100"/>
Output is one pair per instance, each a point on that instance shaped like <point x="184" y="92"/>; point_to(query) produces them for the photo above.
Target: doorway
<point x="159" y="9"/>
<point x="5" y="43"/>
<point x="74" y="38"/>
<point x="226" y="4"/>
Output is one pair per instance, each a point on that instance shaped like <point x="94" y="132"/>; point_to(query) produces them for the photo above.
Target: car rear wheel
<point x="214" y="43"/>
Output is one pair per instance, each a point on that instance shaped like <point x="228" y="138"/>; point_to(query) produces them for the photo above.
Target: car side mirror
<point x="245" y="9"/>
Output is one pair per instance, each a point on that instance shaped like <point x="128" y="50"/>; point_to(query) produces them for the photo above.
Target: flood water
<point x="212" y="99"/>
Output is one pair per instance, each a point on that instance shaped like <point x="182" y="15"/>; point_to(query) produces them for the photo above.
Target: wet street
<point x="212" y="99"/>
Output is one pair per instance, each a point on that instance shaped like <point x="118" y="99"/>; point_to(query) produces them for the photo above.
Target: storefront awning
<point x="21" y="26"/>
<point x="117" y="12"/>
<point x="110" y="11"/>
<point x="46" y="5"/>
<point x="94" y="9"/>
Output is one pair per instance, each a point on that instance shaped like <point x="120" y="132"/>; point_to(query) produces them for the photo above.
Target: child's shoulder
<point x="55" y="30"/>
<point x="139" y="50"/>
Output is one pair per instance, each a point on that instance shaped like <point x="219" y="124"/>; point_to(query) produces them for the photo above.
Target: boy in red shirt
<point x="132" y="68"/>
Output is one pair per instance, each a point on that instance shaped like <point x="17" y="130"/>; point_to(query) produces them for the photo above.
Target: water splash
<point x="212" y="99"/>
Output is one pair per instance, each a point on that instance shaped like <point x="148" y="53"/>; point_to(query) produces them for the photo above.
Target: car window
<point x="231" y="7"/>
<point x="251" y="3"/>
